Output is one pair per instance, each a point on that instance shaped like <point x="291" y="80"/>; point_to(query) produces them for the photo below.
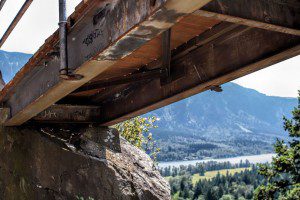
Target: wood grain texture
<point x="284" y="13"/>
<point x="68" y="114"/>
<point x="247" y="22"/>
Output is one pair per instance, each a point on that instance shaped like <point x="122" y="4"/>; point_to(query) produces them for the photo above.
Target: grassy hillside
<point x="212" y="174"/>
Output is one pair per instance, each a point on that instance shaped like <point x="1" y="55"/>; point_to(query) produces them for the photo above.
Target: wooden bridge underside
<point x="137" y="56"/>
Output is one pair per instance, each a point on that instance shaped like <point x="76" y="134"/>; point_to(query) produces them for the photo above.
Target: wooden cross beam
<point x="273" y="15"/>
<point x="61" y="114"/>
<point x="69" y="114"/>
<point x="130" y="78"/>
<point x="247" y="22"/>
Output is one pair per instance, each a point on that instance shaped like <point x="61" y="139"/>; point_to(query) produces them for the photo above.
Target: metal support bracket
<point x="216" y="88"/>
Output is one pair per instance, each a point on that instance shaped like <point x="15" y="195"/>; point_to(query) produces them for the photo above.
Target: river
<point x="263" y="158"/>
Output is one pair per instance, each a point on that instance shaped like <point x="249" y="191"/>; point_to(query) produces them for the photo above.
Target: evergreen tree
<point x="198" y="189"/>
<point x="283" y="175"/>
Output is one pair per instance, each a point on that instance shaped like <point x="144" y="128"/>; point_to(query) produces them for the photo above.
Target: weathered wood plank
<point x="247" y="22"/>
<point x="106" y="33"/>
<point x="61" y="114"/>
<point x="207" y="66"/>
<point x="205" y="38"/>
<point x="2" y="2"/>
<point x="69" y="114"/>
<point x="282" y="13"/>
<point x="130" y="78"/>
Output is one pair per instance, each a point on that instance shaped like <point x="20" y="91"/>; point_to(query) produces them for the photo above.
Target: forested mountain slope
<point x="237" y="121"/>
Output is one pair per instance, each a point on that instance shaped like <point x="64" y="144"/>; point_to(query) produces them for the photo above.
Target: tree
<point x="283" y="175"/>
<point x="198" y="190"/>
<point x="137" y="132"/>
<point x="186" y="187"/>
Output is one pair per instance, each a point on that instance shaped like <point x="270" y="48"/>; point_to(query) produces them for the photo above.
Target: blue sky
<point x="41" y="21"/>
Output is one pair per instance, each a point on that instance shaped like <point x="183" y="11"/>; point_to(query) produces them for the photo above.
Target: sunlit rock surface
<point x="35" y="164"/>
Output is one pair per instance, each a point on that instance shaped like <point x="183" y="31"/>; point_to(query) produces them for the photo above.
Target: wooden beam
<point x="61" y="114"/>
<point x="207" y="66"/>
<point x="247" y="22"/>
<point x="15" y="21"/>
<point x="274" y="15"/>
<point x="130" y="78"/>
<point x="207" y="37"/>
<point x="2" y="2"/>
<point x="69" y="114"/>
<point x="106" y="33"/>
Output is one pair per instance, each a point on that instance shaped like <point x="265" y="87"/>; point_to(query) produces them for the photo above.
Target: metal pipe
<point x="15" y="21"/>
<point x="64" y="70"/>
<point x="2" y="2"/>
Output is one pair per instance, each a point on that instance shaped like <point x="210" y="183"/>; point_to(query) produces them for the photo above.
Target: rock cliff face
<point x="47" y="163"/>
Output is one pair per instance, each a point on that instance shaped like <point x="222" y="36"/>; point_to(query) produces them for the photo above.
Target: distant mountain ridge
<point x="236" y="108"/>
<point x="237" y="121"/>
<point x="11" y="63"/>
